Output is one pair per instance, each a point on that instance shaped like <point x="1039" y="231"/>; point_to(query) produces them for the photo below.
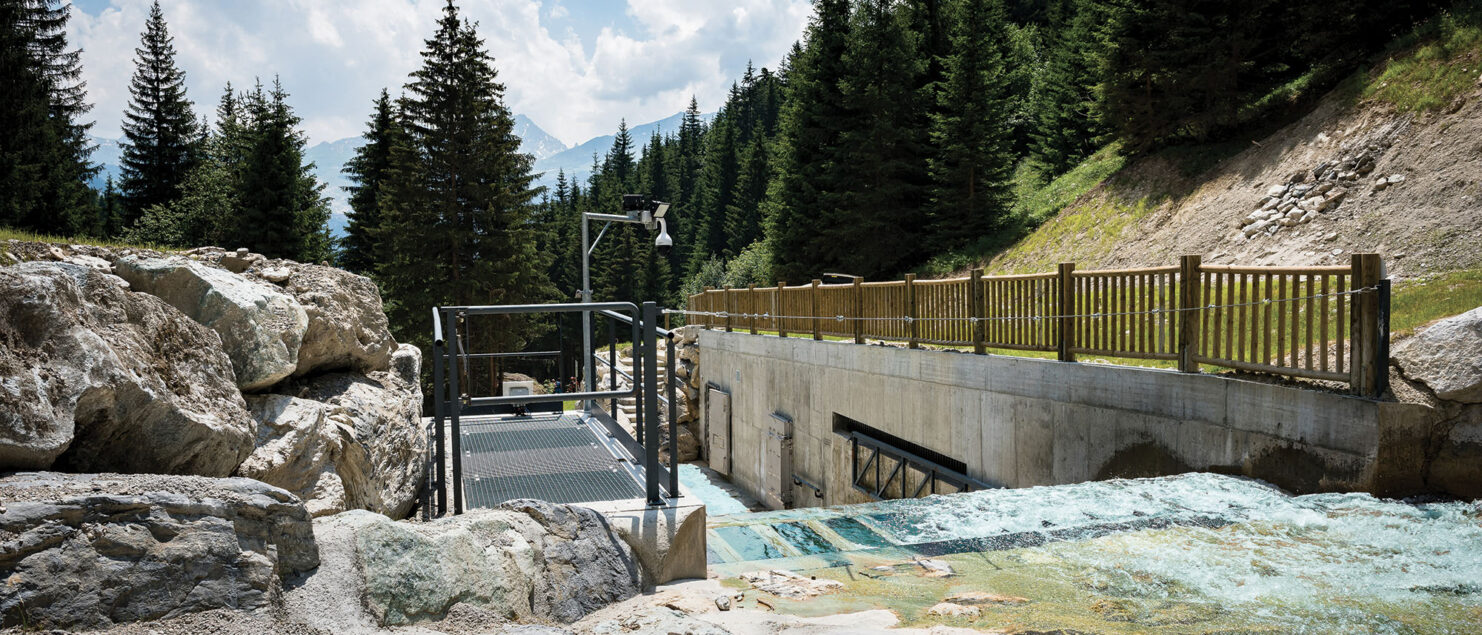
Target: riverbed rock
<point x="96" y="378"/>
<point x="345" y="441"/>
<point x="347" y="327"/>
<point x="260" y="328"/>
<point x="1447" y="357"/>
<point x="89" y="551"/>
<point x="525" y="560"/>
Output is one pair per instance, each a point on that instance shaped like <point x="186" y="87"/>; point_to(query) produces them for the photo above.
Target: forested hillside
<point x="923" y="135"/>
<point x="895" y="136"/>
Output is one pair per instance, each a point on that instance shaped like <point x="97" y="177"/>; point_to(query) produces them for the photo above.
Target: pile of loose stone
<point x="1307" y="194"/>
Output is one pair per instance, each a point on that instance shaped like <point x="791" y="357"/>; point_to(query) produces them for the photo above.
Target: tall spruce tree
<point x="458" y="198"/>
<point x="366" y="170"/>
<point x="44" y="147"/>
<point x="282" y="209"/>
<point x="803" y="188"/>
<point x="972" y="165"/>
<point x="1069" y="122"/>
<point x="873" y="229"/>
<point x="160" y="135"/>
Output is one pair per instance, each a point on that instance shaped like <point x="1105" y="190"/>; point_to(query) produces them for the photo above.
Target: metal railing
<point x="449" y="353"/>
<point x="640" y="412"/>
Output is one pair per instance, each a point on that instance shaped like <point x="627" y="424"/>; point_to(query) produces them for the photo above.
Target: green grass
<point x="1035" y="201"/>
<point x="1421" y="301"/>
<point x="1441" y="60"/>
<point x="7" y="233"/>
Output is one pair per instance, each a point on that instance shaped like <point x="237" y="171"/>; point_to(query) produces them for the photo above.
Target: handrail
<point x="437" y="328"/>
<point x="627" y="320"/>
<point x="623" y="374"/>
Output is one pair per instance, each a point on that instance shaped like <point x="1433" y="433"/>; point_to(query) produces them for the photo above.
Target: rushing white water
<point x="1231" y="542"/>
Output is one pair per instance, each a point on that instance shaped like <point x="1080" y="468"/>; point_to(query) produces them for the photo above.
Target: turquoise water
<point x="717" y="501"/>
<point x="1232" y="546"/>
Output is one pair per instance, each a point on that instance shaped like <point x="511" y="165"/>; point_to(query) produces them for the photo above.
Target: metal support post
<point x="455" y="401"/>
<point x="588" y="380"/>
<point x="650" y="402"/>
<point x="673" y="420"/>
<point x="438" y="391"/>
<point x="612" y="365"/>
<point x="1381" y="340"/>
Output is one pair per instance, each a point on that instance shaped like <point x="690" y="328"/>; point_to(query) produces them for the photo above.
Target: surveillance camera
<point x="664" y="243"/>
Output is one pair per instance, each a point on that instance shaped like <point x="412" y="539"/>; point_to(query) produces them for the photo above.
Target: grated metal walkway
<point x="548" y="456"/>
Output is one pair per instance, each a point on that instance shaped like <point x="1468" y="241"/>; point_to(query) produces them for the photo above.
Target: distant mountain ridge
<point x="329" y="157"/>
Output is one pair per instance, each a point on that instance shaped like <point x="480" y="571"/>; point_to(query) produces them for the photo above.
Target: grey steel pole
<point x="673" y="423"/>
<point x="651" y="402"/>
<point x="450" y="332"/>
<point x="438" y="390"/>
<point x="588" y="380"/>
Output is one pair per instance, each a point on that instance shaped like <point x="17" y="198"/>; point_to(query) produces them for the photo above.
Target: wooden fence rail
<point x="1327" y="323"/>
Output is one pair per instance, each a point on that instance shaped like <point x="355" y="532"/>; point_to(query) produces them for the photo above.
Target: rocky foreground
<point x="215" y="441"/>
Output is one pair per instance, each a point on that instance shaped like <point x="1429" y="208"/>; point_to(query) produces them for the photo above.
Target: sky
<point x="574" y="67"/>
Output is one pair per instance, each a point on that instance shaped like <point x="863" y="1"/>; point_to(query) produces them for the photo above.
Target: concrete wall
<point x="1019" y="422"/>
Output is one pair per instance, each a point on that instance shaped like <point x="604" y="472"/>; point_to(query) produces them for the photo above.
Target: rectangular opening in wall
<point x="846" y="426"/>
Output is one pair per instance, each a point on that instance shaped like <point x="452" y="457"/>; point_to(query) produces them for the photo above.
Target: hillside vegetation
<point x="1415" y="113"/>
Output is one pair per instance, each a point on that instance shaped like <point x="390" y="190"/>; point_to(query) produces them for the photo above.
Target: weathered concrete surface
<point x="1020" y="422"/>
<point x="669" y="542"/>
<point x="88" y="550"/>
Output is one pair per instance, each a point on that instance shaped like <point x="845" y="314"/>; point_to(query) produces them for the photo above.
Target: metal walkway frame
<point x="639" y="457"/>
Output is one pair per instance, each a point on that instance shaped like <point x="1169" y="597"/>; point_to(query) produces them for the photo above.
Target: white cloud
<point x="334" y="56"/>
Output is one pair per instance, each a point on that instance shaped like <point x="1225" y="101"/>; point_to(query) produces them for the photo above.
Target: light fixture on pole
<point x="637" y="208"/>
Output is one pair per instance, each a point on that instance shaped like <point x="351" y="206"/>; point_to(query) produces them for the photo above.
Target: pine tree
<point x="44" y="147"/>
<point x="458" y="197"/>
<point x="282" y="210"/>
<point x="803" y="189"/>
<point x="1070" y="125"/>
<point x="972" y="165"/>
<point x="743" y="219"/>
<point x="717" y="190"/>
<point x="159" y="126"/>
<point x="366" y="169"/>
<point x="872" y="230"/>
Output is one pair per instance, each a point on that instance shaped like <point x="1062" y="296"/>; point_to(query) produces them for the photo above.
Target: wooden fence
<point x="1327" y="323"/>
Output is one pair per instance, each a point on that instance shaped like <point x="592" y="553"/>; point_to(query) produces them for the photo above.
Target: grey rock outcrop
<point x="260" y="328"/>
<point x="88" y="551"/>
<point x="1447" y="357"/>
<point x="347" y="326"/>
<point x="346" y="441"/>
<point x="526" y="560"/>
<point x="95" y="378"/>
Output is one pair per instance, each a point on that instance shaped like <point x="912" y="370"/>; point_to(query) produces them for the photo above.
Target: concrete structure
<point x="1019" y="422"/>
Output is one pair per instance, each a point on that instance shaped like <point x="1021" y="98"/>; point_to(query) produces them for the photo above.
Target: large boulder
<point x="347" y="325"/>
<point x="88" y="551"/>
<point x="260" y="327"/>
<point x="528" y="560"/>
<point x="1447" y="357"/>
<point x="95" y="378"/>
<point x="345" y="441"/>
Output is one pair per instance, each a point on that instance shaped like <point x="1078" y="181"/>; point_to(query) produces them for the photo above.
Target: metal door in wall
<point x="718" y="428"/>
<point x="777" y="463"/>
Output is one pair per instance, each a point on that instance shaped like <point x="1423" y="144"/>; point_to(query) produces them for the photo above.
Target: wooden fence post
<point x="730" y="306"/>
<point x="1363" y="377"/>
<point x="1190" y="291"/>
<point x="976" y="309"/>
<point x="751" y="305"/>
<point x="911" y="331"/>
<point x="1067" y="309"/>
<point x="858" y="311"/>
<point x="813" y="308"/>
<point x="709" y="307"/>
<point x="778" y="297"/>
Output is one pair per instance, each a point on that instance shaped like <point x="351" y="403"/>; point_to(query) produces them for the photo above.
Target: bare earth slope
<point x="1148" y="214"/>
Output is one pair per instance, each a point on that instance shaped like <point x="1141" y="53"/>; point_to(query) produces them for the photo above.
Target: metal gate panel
<point x="718" y="427"/>
<point x="777" y="463"/>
